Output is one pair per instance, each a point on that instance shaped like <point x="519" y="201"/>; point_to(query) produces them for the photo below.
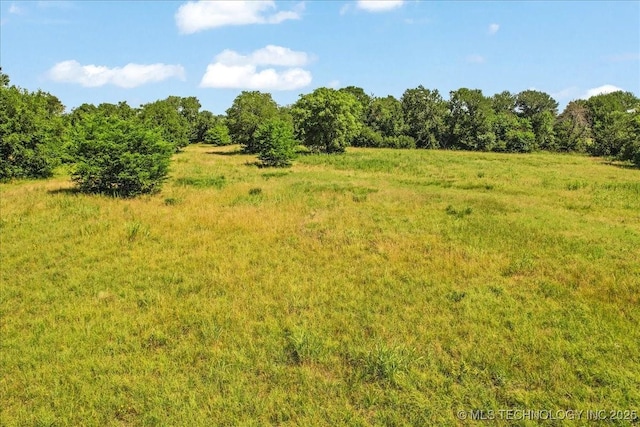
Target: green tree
<point x="248" y="111"/>
<point x="573" y="127"/>
<point x="470" y="122"/>
<point x="503" y="102"/>
<point x="119" y="157"/>
<point x="4" y="79"/>
<point x="385" y="116"/>
<point x="359" y="94"/>
<point x="541" y="110"/>
<point x="605" y="119"/>
<point x="367" y="137"/>
<point x="424" y="115"/>
<point x="189" y="108"/>
<point x="327" y="120"/>
<point x="32" y="133"/>
<point x="631" y="137"/>
<point x="513" y="133"/>
<point x="207" y="121"/>
<point x="276" y="143"/>
<point x="167" y="115"/>
<point x="218" y="135"/>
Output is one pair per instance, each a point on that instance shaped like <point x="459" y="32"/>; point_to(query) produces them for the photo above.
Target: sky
<point x="142" y="51"/>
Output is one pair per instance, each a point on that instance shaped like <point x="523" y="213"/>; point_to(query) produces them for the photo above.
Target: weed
<point x="458" y="213"/>
<point x="383" y="363"/>
<point x="172" y="201"/>
<point x="136" y="230"/>
<point x="302" y="347"/>
<point x="576" y="185"/>
<point x="455" y="296"/>
<point x="205" y="182"/>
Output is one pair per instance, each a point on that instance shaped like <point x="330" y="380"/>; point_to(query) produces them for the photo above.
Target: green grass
<point x="379" y="287"/>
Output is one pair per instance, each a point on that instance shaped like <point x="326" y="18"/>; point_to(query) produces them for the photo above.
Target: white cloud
<point x="194" y="16"/>
<point x="334" y="84"/>
<point x="129" y="76"/>
<point x="600" y="90"/>
<point x="567" y="93"/>
<point x="476" y="59"/>
<point x="269" y="55"/>
<point x="235" y="71"/>
<point x="379" y="5"/>
<point x="493" y="28"/>
<point x="14" y="9"/>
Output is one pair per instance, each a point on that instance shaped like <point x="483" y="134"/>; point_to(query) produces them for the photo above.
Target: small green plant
<point x="456" y="296"/>
<point x="383" y="363"/>
<point x="171" y="201"/>
<point x="255" y="191"/>
<point x="302" y="347"/>
<point x="458" y="213"/>
<point x="204" y="182"/>
<point x="136" y="229"/>
<point x="576" y="185"/>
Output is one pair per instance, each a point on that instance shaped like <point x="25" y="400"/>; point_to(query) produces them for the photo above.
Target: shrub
<point x="367" y="137"/>
<point x="118" y="157"/>
<point x="217" y="135"/>
<point x="31" y="133"/>
<point x="275" y="143"/>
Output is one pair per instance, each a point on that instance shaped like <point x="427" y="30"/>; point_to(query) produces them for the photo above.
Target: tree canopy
<point x="327" y="120"/>
<point x="248" y="111"/>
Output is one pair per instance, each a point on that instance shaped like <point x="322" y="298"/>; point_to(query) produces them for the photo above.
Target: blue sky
<point x="141" y="51"/>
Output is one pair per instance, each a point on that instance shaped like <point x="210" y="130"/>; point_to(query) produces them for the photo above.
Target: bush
<point x="217" y="135"/>
<point x="119" y="157"/>
<point x="368" y="137"/>
<point x="31" y="133"/>
<point x="275" y="143"/>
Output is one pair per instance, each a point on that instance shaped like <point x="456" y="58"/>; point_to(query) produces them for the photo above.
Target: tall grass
<point x="379" y="287"/>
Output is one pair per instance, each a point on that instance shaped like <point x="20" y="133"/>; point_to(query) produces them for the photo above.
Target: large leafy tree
<point x="385" y="116"/>
<point x="573" y="128"/>
<point x="607" y="121"/>
<point x="32" y="130"/>
<point x="168" y="116"/>
<point x="118" y="156"/>
<point x="630" y="149"/>
<point x="503" y="102"/>
<point x="513" y="133"/>
<point x="470" y="122"/>
<point x="248" y="111"/>
<point x="540" y="109"/>
<point x="424" y="113"/>
<point x="327" y="120"/>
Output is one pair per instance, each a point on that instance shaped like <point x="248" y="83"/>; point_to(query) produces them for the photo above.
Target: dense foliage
<point x="35" y="132"/>
<point x="276" y="143"/>
<point x="116" y="156"/>
<point x="249" y="110"/>
<point x="326" y="120"/>
<point x="32" y="130"/>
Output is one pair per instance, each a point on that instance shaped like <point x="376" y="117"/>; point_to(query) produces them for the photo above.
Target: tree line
<point x="120" y="150"/>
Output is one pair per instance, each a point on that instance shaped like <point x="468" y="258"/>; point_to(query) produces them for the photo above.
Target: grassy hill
<point x="378" y="287"/>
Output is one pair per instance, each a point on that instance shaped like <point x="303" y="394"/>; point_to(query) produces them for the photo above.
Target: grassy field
<point x="379" y="287"/>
